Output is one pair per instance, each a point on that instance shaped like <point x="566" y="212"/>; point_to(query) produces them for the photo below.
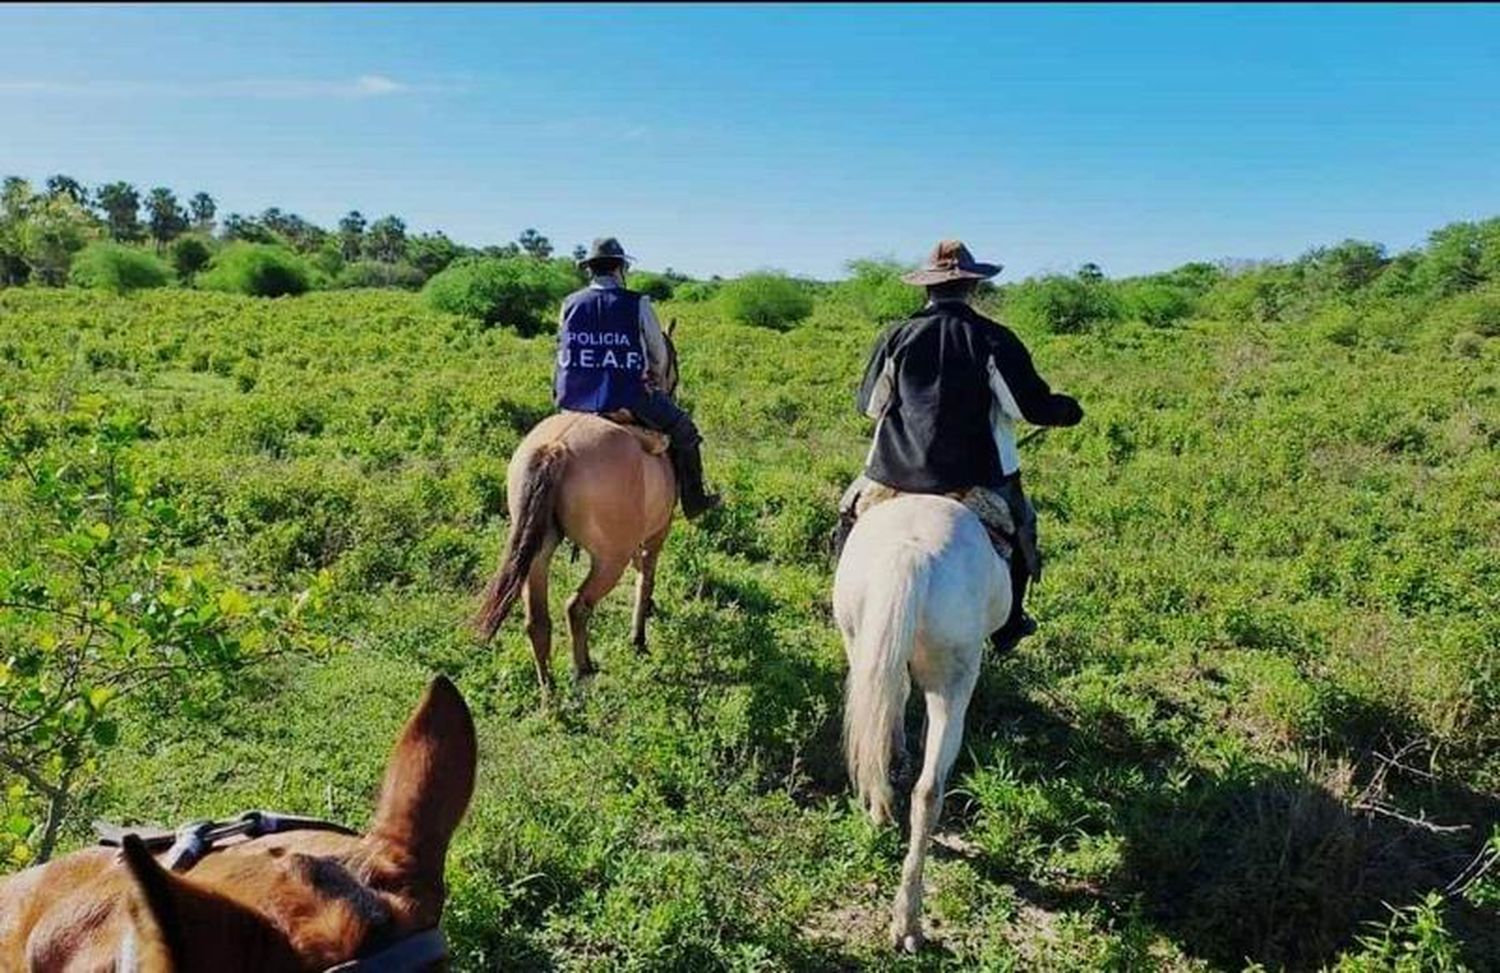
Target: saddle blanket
<point x="991" y="506"/>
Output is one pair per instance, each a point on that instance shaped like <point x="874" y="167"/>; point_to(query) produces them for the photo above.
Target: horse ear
<point x="176" y="925"/>
<point x="428" y="783"/>
<point x="155" y="942"/>
<point x="671" y="327"/>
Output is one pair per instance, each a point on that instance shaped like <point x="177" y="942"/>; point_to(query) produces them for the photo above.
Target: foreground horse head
<point x="918" y="588"/>
<point x="303" y="900"/>
<point x="593" y="481"/>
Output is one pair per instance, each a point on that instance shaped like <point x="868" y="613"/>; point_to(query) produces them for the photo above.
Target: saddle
<point x="989" y="507"/>
<point x="653" y="442"/>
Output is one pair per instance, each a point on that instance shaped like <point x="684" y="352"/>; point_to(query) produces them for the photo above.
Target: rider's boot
<point x="687" y="463"/>
<point x="1019" y="625"/>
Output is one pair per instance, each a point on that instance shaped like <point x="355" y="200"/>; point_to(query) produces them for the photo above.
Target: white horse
<point x="918" y="589"/>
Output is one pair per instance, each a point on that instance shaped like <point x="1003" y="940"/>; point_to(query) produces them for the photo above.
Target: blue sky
<point x="719" y="139"/>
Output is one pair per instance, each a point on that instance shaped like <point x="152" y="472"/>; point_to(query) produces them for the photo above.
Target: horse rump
<point x="534" y="519"/>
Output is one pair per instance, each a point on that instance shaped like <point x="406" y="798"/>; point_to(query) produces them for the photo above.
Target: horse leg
<point x="538" y="618"/>
<point x="946" y="705"/>
<point x="901" y="767"/>
<point x="645" y="584"/>
<point x="604" y="574"/>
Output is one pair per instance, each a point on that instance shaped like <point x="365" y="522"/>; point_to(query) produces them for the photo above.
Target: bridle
<point x="190" y="843"/>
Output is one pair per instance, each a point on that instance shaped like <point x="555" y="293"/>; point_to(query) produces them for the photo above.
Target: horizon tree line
<point x="40" y="231"/>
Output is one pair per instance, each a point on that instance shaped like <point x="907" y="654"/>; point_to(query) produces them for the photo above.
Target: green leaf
<point x="106" y="733"/>
<point x="233" y="603"/>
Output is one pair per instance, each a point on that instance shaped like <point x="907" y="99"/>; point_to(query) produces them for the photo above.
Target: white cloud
<point x="377" y="84"/>
<point x="364" y="86"/>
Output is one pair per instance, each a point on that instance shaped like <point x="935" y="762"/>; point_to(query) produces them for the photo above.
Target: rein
<point x="1032" y="436"/>
<point x="190" y="843"/>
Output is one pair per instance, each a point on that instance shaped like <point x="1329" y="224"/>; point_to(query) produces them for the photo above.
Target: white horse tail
<point x="874" y="693"/>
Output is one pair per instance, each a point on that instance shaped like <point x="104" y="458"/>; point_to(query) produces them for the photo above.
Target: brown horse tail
<point x="534" y="519"/>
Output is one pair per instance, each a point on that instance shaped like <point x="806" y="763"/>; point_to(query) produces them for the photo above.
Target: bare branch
<point x="38" y="783"/>
<point x="1376" y="807"/>
<point x="1487" y="858"/>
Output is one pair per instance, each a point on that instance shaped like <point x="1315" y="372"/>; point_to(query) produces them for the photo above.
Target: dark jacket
<point x="936" y="433"/>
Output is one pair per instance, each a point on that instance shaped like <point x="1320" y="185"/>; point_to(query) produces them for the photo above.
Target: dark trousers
<point x="656" y="410"/>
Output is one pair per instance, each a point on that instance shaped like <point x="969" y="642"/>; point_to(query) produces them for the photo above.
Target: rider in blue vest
<point x="611" y="355"/>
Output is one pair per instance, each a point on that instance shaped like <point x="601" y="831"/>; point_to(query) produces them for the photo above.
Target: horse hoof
<point x="909" y="943"/>
<point x="640" y="647"/>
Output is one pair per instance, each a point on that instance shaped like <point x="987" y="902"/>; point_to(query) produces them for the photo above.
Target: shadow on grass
<point x="1275" y="864"/>
<point x="1279" y="864"/>
<point x="794" y="700"/>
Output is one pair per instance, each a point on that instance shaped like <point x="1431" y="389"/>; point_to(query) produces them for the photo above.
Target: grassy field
<point x="1270" y="643"/>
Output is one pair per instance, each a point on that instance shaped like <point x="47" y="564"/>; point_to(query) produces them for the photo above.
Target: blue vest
<point x="601" y="358"/>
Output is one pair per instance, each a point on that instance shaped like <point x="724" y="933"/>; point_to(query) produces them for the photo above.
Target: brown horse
<point x="605" y="486"/>
<point x="297" y="900"/>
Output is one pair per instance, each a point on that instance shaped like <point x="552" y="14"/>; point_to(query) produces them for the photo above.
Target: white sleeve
<point x="880" y="395"/>
<point x="656" y="345"/>
<point x="1004" y="413"/>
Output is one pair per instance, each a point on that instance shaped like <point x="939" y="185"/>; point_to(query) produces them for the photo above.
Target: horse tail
<point x="534" y="517"/>
<point x="874" y="691"/>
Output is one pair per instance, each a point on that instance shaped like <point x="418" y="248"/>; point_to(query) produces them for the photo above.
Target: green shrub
<point x="766" y="300"/>
<point x="1339" y="324"/>
<point x="876" y="291"/>
<point x="189" y="254"/>
<point x="1452" y="262"/>
<point x="1478" y="312"/>
<point x="327" y="261"/>
<point x="1398" y="279"/>
<point x="117" y="268"/>
<point x="1156" y="303"/>
<point x="376" y="273"/>
<point x="1342" y="270"/>
<point x="1261" y="295"/>
<point x="513" y="291"/>
<point x="1197" y="278"/>
<point x="1489" y="249"/>
<point x="654" y="286"/>
<point x="257" y="269"/>
<point x="1466" y="344"/>
<point x="1062" y="305"/>
<point x="696" y="291"/>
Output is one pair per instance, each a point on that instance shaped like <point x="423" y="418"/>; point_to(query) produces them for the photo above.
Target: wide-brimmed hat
<point x="951" y="260"/>
<point x="606" y="248"/>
